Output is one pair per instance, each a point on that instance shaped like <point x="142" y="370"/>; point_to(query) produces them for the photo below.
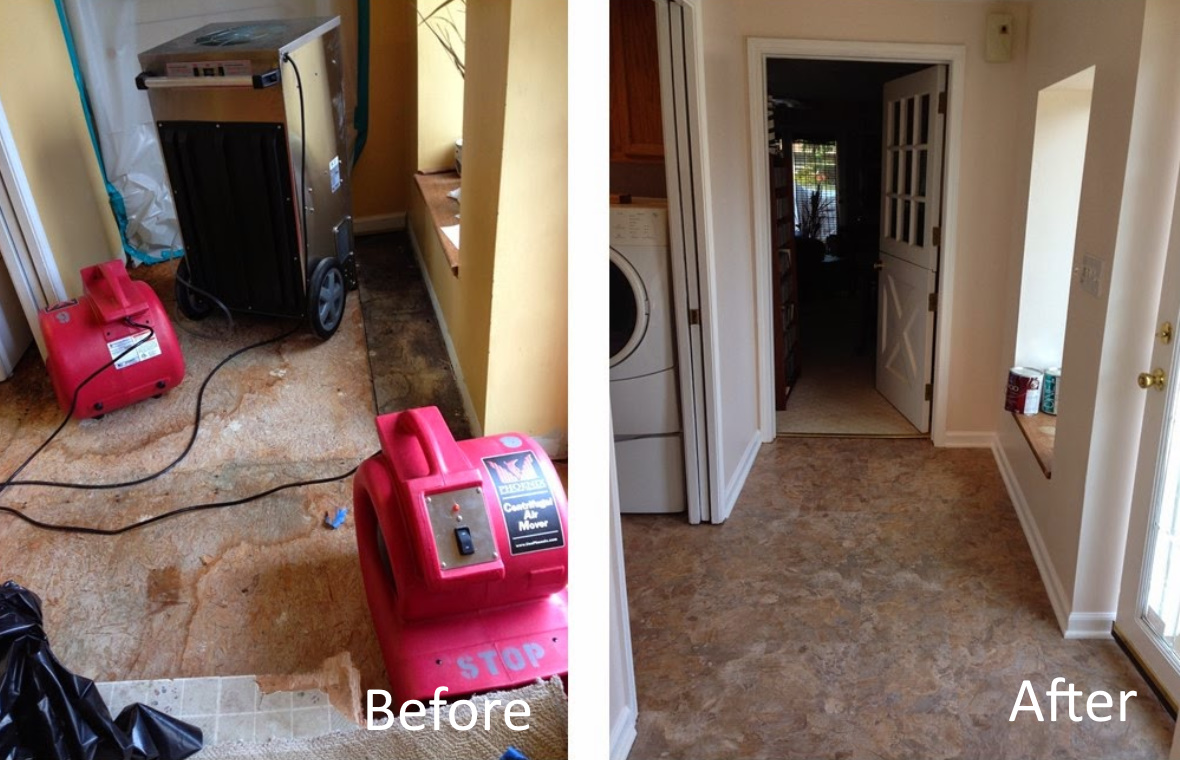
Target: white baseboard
<point x="371" y="225"/>
<point x="734" y="488"/>
<point x="468" y="406"/>
<point x="965" y="439"/>
<point x="622" y="735"/>
<point x="1089" y="625"/>
<point x="1056" y="591"/>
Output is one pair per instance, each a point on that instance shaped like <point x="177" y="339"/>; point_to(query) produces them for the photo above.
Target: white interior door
<point x="15" y="335"/>
<point x="676" y="38"/>
<point x="1148" y="617"/>
<point x="911" y="197"/>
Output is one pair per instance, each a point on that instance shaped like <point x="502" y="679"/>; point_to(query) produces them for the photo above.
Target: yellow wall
<point x="527" y="372"/>
<point x="506" y="311"/>
<point x="381" y="180"/>
<point x="440" y="98"/>
<point x="41" y="102"/>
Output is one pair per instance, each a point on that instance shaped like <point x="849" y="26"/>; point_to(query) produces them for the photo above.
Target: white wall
<point x="1059" y="152"/>
<point x="985" y="203"/>
<point x="1081" y="512"/>
<point x="1132" y="159"/>
<point x="729" y="243"/>
<point x="624" y="707"/>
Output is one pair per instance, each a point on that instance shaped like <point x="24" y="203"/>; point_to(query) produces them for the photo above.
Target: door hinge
<point x="694" y="316"/>
<point x="936" y="236"/>
<point x="933" y="302"/>
<point x="942" y="102"/>
<point x="929" y="391"/>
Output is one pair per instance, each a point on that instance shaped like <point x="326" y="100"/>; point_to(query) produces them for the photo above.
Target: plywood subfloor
<point x="262" y="588"/>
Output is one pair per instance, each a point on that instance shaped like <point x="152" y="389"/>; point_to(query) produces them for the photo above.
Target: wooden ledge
<point x="444" y="211"/>
<point x="1040" y="430"/>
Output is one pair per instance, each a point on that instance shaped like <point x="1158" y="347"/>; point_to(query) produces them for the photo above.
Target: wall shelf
<point x="1040" y="430"/>
<point x="444" y="211"/>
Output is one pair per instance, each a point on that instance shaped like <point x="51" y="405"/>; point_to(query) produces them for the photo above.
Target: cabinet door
<point x="636" y="131"/>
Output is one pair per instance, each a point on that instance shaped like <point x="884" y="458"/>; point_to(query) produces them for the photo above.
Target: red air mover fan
<point x="463" y="551"/>
<point x="84" y="334"/>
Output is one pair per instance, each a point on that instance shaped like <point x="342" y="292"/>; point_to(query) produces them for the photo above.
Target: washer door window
<point x="629" y="308"/>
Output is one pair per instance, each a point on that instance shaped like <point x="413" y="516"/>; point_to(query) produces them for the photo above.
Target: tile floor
<point x="836" y="392"/>
<point x="866" y="599"/>
<point x="232" y="709"/>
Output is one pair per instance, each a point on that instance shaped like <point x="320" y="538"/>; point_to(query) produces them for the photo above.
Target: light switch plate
<point x="1092" y="275"/>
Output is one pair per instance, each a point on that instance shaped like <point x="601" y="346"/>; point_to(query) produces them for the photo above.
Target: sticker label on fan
<point x="526" y="501"/>
<point x="334" y="172"/>
<point x="143" y="352"/>
<point x="207" y="69"/>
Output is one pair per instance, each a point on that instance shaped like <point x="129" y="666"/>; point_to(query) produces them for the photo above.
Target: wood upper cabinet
<point x="636" y="130"/>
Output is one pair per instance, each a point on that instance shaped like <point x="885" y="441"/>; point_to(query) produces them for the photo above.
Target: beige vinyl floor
<point x="865" y="599"/>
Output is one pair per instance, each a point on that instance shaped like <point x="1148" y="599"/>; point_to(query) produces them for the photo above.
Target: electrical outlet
<point x="1091" y="275"/>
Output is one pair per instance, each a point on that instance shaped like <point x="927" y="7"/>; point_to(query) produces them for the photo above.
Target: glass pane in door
<point x="1161" y="607"/>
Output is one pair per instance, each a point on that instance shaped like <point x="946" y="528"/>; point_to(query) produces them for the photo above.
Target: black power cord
<point x="302" y="160"/>
<point x="11" y="479"/>
<point x="12" y="482"/>
<point x="86" y="530"/>
<point x="90" y="531"/>
<point x="217" y="301"/>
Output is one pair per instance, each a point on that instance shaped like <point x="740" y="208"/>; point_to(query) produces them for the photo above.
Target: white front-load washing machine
<point x="644" y="389"/>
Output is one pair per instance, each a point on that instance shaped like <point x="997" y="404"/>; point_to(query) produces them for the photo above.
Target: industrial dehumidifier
<point x="463" y="550"/>
<point x="252" y="127"/>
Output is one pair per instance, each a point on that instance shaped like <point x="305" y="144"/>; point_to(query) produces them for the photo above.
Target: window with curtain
<point x="815" y="188"/>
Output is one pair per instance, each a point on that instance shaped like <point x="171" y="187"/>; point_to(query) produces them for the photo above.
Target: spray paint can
<point x="1049" y="390"/>
<point x="1024" y="390"/>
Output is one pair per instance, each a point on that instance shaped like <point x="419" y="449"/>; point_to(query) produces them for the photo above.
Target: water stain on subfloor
<point x="262" y="588"/>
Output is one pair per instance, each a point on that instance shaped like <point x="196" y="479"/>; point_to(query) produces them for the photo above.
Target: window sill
<point x="444" y="211"/>
<point x="1040" y="430"/>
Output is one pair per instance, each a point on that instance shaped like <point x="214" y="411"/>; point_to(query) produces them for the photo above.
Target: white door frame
<point x="759" y="51"/>
<point x="24" y="246"/>
<point x="687" y="167"/>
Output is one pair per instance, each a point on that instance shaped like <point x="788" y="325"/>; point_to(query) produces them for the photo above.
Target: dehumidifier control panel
<point x="462" y="532"/>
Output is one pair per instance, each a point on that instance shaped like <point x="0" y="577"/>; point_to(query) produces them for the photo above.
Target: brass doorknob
<point x="878" y="265"/>
<point x="1155" y="379"/>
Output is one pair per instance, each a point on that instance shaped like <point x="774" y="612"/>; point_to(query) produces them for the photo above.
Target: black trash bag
<point x="48" y="713"/>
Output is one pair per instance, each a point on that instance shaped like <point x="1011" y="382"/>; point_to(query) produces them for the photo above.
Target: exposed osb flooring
<point x="866" y="599"/>
<point x="258" y="589"/>
<point x="410" y="363"/>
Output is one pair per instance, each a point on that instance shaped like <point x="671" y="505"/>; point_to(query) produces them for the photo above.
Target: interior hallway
<point x="836" y="394"/>
<point x="867" y="598"/>
<point x="260" y="589"/>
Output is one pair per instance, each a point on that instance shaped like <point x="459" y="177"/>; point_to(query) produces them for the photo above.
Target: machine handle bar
<point x="148" y="81"/>
<point x="427" y="440"/>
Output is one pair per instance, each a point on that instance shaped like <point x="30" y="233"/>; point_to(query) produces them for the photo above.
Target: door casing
<point x="759" y="50"/>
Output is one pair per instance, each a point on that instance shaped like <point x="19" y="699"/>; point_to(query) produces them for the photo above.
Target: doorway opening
<point x="851" y="175"/>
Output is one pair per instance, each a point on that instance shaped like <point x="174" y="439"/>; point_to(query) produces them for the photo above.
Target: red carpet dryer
<point x="463" y="551"/>
<point x="113" y="315"/>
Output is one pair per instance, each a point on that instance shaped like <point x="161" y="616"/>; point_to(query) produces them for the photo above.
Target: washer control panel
<point x="644" y="225"/>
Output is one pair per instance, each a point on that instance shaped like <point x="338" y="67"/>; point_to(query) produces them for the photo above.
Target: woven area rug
<point x="545" y="738"/>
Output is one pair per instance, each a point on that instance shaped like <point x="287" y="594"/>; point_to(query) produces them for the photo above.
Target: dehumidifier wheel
<point x="190" y="303"/>
<point x="325" y="296"/>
